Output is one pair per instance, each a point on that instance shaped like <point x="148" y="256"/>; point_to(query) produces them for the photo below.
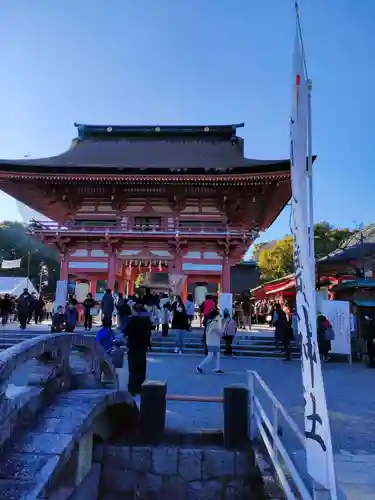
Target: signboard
<point x="338" y="314"/>
<point x="226" y="302"/>
<point x="61" y="294"/>
<point x="320" y="296"/>
<point x="82" y="289"/>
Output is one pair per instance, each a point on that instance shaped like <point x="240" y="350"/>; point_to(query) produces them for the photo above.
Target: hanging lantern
<point x="160" y="265"/>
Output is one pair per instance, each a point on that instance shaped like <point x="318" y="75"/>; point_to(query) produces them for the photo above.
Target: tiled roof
<point x="171" y="150"/>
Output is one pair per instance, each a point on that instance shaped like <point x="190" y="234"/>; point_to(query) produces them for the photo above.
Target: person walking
<point x="107" y="305"/>
<point x="213" y="336"/>
<point x="6" y="309"/>
<point x="229" y="332"/>
<point x="105" y="336"/>
<point x="180" y="324"/>
<point x="25" y="307"/>
<point x="280" y="323"/>
<point x="38" y="305"/>
<point x="139" y="338"/>
<point x="88" y="305"/>
<point x="190" y="309"/>
<point x="207" y="306"/>
<point x="124" y="312"/>
<point x="246" y="307"/>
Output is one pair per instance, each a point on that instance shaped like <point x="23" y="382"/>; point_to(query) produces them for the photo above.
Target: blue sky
<point x="195" y="62"/>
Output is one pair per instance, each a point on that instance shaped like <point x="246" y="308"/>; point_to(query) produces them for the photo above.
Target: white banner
<point x="320" y="296"/>
<point x="11" y="264"/>
<point x="338" y="314"/>
<point x="226" y="302"/>
<point x="317" y="430"/>
<point x="61" y="294"/>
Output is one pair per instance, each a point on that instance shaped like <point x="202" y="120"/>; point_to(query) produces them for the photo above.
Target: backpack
<point x="329" y="334"/>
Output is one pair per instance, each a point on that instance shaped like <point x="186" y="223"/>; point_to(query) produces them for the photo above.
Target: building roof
<point x="150" y="149"/>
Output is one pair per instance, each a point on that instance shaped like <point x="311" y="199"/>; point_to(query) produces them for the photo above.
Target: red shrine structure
<point x="130" y="199"/>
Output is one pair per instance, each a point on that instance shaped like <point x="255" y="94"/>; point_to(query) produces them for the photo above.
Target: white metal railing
<point x="268" y="429"/>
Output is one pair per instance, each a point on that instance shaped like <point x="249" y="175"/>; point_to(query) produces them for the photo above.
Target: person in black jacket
<point x="139" y="336"/>
<point x="6" y="308"/>
<point x="180" y="323"/>
<point x="25" y="307"/>
<point x="88" y="304"/>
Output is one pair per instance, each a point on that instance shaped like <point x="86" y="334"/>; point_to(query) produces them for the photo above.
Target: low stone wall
<point x="166" y="472"/>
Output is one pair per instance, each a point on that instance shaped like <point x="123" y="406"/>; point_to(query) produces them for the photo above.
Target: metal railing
<point x="120" y="228"/>
<point x="268" y="427"/>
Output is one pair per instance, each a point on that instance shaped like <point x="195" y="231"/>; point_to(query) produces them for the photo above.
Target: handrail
<point x="268" y="428"/>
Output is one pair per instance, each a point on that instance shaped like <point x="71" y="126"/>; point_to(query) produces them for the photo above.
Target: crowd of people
<point x="25" y="308"/>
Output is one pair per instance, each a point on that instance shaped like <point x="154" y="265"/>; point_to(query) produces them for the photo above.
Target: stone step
<point x="244" y="353"/>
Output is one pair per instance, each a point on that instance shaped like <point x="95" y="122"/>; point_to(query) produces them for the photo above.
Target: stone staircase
<point x="258" y="344"/>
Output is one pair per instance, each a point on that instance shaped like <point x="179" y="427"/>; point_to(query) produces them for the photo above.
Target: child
<point x="105" y="336"/>
<point x="58" y="320"/>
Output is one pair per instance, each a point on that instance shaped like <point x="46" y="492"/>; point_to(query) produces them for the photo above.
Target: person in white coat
<point x="213" y="336"/>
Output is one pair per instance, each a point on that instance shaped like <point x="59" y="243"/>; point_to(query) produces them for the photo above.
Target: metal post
<point x="28" y="264"/>
<point x="310" y="177"/>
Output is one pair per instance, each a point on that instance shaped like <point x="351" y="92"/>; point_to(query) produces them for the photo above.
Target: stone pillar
<point x="64" y="265"/>
<point x="236" y="417"/>
<point x="152" y="411"/>
<point x="225" y="279"/>
<point x="112" y="268"/>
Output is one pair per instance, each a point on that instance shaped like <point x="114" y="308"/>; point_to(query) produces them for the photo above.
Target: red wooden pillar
<point x="130" y="287"/>
<point x="93" y="286"/>
<point x="64" y="265"/>
<point x="225" y="279"/>
<point x="121" y="285"/>
<point x="112" y="267"/>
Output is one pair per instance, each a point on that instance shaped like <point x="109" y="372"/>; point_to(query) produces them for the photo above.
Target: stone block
<point x="52" y="444"/>
<point x="148" y="484"/>
<point x="174" y="488"/>
<point x="118" y="457"/>
<point x="117" y="481"/>
<point x="190" y="464"/>
<point x="21" y="467"/>
<point x="244" y="464"/>
<point x="218" y="463"/>
<point x="164" y="461"/>
<point x="204" y="490"/>
<point x="141" y="459"/>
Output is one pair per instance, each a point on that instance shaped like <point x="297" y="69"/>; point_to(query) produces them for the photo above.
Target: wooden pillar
<point x="112" y="268"/>
<point x="93" y="286"/>
<point x="121" y="285"/>
<point x="64" y="265"/>
<point x="225" y="279"/>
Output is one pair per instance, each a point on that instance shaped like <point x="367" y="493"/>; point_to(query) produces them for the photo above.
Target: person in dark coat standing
<point x="25" y="307"/>
<point x="139" y="336"/>
<point x="280" y="322"/>
<point x="369" y="335"/>
<point x="88" y="305"/>
<point x="107" y="305"/>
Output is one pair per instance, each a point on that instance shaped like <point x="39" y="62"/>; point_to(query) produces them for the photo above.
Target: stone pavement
<point x="351" y="404"/>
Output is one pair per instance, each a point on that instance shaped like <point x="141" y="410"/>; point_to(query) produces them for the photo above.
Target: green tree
<point x="16" y="243"/>
<point x="276" y="260"/>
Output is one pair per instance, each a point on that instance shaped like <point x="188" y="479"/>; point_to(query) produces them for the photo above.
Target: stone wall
<point x="167" y="472"/>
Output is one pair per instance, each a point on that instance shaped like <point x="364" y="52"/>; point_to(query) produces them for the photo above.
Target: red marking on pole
<point x="298" y="80"/>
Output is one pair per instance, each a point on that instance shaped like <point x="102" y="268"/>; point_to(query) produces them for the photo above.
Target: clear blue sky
<point x="195" y="62"/>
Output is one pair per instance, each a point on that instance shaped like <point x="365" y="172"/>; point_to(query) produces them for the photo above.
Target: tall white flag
<point x="317" y="428"/>
<point x="11" y="264"/>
